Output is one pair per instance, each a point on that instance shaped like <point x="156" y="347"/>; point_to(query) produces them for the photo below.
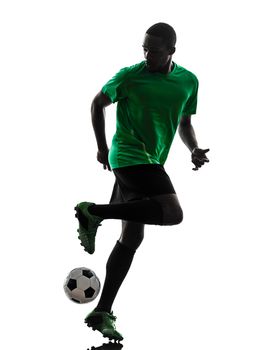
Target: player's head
<point x="159" y="46"/>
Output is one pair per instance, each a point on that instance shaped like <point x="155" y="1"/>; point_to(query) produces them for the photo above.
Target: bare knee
<point x="172" y="211"/>
<point x="132" y="234"/>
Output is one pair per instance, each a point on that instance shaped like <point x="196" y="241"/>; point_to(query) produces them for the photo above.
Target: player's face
<point x="157" y="54"/>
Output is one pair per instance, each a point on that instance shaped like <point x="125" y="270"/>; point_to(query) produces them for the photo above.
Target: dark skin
<point x="158" y="57"/>
<point x="100" y="102"/>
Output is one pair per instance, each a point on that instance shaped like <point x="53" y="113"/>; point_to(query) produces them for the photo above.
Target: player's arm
<point x="98" y="120"/>
<point x="187" y="133"/>
<point x="188" y="136"/>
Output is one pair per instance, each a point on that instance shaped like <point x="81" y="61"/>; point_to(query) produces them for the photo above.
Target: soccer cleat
<point x="88" y="225"/>
<point x="108" y="346"/>
<point x="103" y="322"/>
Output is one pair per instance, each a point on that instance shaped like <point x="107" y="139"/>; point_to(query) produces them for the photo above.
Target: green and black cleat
<point x="104" y="322"/>
<point x="88" y="225"/>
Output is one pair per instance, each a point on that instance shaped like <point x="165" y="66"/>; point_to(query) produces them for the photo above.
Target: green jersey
<point x="149" y="109"/>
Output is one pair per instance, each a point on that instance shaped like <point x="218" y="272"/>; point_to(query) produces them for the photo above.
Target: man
<point x="154" y="97"/>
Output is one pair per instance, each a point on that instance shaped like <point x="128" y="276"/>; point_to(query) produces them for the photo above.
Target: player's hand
<point x="102" y="157"/>
<point x="199" y="157"/>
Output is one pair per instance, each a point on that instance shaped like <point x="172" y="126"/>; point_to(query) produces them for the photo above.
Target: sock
<point x="147" y="211"/>
<point x="117" y="267"/>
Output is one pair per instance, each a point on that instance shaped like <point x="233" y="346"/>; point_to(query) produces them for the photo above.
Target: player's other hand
<point x="199" y="157"/>
<point x="102" y="157"/>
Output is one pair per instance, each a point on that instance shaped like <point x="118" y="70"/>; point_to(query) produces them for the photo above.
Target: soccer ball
<point x="82" y="285"/>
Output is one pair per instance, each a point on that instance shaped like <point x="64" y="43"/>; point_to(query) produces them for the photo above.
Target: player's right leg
<point x="104" y="322"/>
<point x="117" y="267"/>
<point x="132" y="234"/>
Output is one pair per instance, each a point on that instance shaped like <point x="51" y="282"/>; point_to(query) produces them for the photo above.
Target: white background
<point x="193" y="286"/>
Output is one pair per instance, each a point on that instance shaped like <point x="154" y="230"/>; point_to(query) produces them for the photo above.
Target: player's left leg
<point x="117" y="268"/>
<point x="142" y="193"/>
<point x="163" y="209"/>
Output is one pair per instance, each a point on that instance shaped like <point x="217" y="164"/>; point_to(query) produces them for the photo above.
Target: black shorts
<point x="140" y="181"/>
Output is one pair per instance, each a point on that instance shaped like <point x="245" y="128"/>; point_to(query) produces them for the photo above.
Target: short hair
<point x="164" y="31"/>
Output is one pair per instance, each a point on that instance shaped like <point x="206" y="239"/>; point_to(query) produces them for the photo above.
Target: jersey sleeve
<point x="115" y="88"/>
<point x="191" y="104"/>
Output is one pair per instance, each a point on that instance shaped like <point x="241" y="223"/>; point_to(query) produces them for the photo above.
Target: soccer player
<point x="153" y="98"/>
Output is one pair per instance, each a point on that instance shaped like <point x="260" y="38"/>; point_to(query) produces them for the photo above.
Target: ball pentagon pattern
<point x="82" y="285"/>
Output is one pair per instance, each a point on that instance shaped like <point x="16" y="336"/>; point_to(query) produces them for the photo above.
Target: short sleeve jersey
<point x="149" y="109"/>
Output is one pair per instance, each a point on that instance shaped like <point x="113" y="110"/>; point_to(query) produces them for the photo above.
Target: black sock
<point x="147" y="211"/>
<point x="117" y="267"/>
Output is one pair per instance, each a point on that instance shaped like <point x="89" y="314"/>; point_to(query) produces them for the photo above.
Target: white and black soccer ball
<point x="82" y="285"/>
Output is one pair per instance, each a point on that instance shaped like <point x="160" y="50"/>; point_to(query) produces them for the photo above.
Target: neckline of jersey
<point x="163" y="74"/>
